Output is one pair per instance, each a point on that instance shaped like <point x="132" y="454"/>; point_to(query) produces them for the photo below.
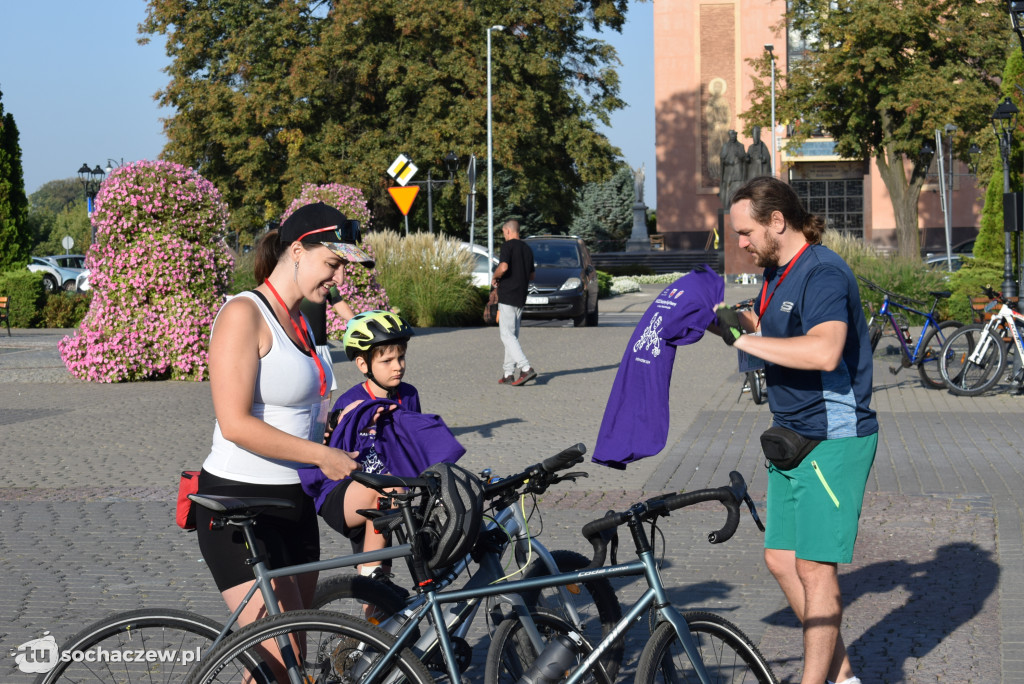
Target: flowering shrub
<point x="624" y="285"/>
<point x="159" y="272"/>
<point x="361" y="290"/>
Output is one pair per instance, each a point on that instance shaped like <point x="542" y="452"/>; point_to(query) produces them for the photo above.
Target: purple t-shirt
<point x="636" y="418"/>
<point x="315" y="483"/>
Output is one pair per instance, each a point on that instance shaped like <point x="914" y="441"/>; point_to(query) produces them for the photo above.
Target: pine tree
<point x="605" y="212"/>
<point x="14" y="238"/>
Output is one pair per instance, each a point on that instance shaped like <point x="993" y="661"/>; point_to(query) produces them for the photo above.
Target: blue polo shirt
<point x="819" y="404"/>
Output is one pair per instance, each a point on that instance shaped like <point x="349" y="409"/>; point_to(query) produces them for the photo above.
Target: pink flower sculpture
<point x="159" y="273"/>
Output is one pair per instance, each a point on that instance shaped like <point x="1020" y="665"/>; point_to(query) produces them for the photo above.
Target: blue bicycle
<point x="925" y="353"/>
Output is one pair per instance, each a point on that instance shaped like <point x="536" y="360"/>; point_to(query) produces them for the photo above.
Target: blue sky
<point x="81" y="88"/>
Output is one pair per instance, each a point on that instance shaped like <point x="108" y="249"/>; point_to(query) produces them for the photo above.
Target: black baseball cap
<point x="322" y="224"/>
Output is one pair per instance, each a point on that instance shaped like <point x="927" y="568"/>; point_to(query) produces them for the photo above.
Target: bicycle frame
<point x="459" y="620"/>
<point x="509" y="591"/>
<point x="655" y="595"/>
<point x="929" y="322"/>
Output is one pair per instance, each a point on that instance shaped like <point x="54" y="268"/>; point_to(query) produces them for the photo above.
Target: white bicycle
<point x="975" y="356"/>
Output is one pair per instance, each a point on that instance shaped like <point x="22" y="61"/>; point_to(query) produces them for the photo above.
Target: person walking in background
<point x="810" y="331"/>
<point x="512" y="278"/>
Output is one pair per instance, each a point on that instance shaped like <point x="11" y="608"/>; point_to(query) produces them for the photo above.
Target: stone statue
<point x="638" y="184"/>
<point x="760" y="159"/>
<point x="734" y="169"/>
<point x="715" y="130"/>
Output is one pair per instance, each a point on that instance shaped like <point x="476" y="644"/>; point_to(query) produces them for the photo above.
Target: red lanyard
<point x="764" y="286"/>
<point x="302" y="338"/>
<point x="374" y="396"/>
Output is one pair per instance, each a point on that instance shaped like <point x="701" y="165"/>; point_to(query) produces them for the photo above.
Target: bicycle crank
<point x="463" y="656"/>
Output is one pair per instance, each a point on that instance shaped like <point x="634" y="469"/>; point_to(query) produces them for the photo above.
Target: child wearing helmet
<point x="376" y="342"/>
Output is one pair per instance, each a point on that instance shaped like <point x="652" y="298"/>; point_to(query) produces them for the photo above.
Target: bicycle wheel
<point x="875" y="334"/>
<point x="963" y="377"/>
<point x="98" y="653"/>
<point x="511" y="654"/>
<point x="350" y="594"/>
<point x="338" y="648"/>
<point x="728" y="654"/>
<point x="598" y="608"/>
<point x="757" y="388"/>
<point x="928" y="353"/>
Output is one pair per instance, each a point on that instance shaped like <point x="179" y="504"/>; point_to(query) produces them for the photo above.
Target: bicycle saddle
<point x="249" y="506"/>
<point x="381" y="482"/>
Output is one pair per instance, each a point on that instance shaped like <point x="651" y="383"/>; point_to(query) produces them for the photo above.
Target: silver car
<point x="59" y="271"/>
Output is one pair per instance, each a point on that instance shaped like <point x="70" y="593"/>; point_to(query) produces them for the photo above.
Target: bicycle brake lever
<point x="753" y="511"/>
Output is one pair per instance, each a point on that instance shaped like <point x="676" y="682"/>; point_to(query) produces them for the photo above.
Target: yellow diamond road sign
<point x="402" y="169"/>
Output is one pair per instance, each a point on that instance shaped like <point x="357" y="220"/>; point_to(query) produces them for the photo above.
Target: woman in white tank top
<point x="268" y="384"/>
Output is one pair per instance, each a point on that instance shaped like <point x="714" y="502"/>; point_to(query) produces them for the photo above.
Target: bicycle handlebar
<point x="891" y="295"/>
<point x="595" y="531"/>
<point x="560" y="461"/>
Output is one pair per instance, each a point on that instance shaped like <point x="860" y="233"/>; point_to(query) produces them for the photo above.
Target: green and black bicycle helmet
<point x="372" y="328"/>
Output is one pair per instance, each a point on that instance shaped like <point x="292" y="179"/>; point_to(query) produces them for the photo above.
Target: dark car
<point x="965" y="247"/>
<point x="565" y="283"/>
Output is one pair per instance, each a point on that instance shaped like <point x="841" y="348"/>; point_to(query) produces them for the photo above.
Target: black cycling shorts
<point x="333" y="512"/>
<point x="286" y="536"/>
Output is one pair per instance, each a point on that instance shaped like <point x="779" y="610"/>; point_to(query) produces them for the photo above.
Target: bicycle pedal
<point x="895" y="369"/>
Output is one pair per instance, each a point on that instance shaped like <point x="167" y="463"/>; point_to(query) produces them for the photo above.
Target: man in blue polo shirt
<point x="809" y="329"/>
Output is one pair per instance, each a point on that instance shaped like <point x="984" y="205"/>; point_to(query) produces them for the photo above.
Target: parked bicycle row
<point x="552" y="615"/>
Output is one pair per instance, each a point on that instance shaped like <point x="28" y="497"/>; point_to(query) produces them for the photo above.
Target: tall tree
<point x="14" y="238"/>
<point x="47" y="203"/>
<point x="271" y="94"/>
<point x="880" y="76"/>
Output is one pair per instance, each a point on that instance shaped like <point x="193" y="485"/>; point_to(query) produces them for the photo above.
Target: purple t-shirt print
<point x="636" y="418"/>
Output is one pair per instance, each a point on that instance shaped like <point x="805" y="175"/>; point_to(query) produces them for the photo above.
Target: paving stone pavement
<point x="935" y="592"/>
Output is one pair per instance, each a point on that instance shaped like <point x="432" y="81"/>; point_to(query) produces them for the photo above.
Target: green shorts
<point x="814" y="508"/>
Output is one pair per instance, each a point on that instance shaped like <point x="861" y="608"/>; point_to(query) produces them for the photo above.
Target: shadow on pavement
<point x="485" y="429"/>
<point x="930" y="600"/>
<point x="543" y="376"/>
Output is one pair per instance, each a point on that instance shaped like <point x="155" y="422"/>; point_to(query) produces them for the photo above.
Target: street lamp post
<point x="771" y="55"/>
<point x="490" y="160"/>
<point x="1017" y="19"/>
<point x="1003" y="121"/>
<point x="944" y="144"/>
<point x="114" y="164"/>
<point x="90" y="179"/>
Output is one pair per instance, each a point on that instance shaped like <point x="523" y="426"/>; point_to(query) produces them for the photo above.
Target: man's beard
<point x="768" y="255"/>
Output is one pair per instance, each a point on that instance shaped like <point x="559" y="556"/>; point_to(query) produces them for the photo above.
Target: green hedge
<point x="604" y="285"/>
<point x="28" y="297"/>
<point x="65" y="309"/>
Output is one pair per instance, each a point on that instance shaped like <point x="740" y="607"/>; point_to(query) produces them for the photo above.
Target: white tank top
<point x="286" y="395"/>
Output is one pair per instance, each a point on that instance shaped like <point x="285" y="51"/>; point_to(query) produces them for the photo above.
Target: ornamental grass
<point x="427" y="278"/>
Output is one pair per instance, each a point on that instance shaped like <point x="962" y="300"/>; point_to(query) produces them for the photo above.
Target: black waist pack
<point x="784" y="448"/>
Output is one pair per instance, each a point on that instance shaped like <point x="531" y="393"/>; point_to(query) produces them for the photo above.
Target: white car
<point x="82" y="282"/>
<point x="480" y="278"/>
<point x="59" y="271"/>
